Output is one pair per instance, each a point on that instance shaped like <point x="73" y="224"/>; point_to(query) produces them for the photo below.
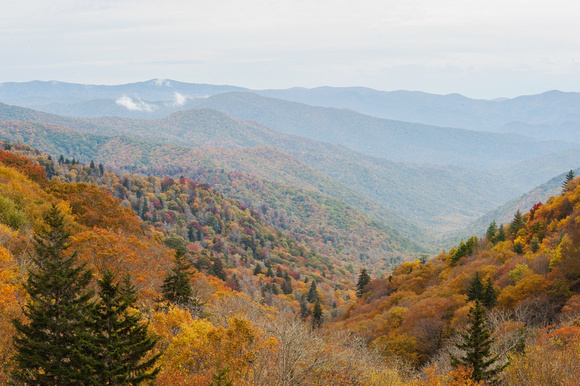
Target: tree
<point x="476" y="345"/>
<point x="312" y="292"/>
<point x="489" y="299"/>
<point x="48" y="347"/>
<point x="317" y="315"/>
<point x="363" y="279"/>
<point x="476" y="289"/>
<point x="569" y="178"/>
<point x="491" y="230"/>
<point x="176" y="287"/>
<point x="517" y="223"/>
<point x="121" y="342"/>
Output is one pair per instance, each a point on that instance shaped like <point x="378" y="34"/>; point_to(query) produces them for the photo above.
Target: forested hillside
<point x="260" y="291"/>
<point x="425" y="195"/>
<point x="253" y="290"/>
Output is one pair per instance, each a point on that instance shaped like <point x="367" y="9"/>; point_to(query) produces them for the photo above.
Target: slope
<point x="393" y="140"/>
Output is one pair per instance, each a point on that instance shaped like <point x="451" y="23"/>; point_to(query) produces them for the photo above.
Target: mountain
<point x="552" y="108"/>
<point x="37" y="93"/>
<point x="505" y="213"/>
<point x="425" y="195"/>
<point x="393" y="140"/>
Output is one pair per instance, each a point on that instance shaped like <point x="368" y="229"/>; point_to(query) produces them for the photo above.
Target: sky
<point x="481" y="49"/>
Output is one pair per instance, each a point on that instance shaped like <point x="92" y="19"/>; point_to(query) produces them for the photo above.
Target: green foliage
<point x="312" y="293"/>
<point x="363" y="279"/>
<point x="463" y="249"/>
<point x="48" y="346"/>
<point x="477" y="347"/>
<point x="176" y="287"/>
<point x="317" y="315"/>
<point x="491" y="231"/>
<point x="121" y="344"/>
<point x="569" y="178"/>
<point x="517" y="223"/>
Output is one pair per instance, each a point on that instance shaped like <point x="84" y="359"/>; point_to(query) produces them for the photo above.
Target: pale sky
<point x="481" y="49"/>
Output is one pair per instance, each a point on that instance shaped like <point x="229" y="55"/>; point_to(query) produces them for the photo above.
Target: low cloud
<point x="178" y="100"/>
<point x="135" y="104"/>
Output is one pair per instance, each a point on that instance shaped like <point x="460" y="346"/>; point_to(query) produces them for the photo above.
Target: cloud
<point x="135" y="104"/>
<point x="178" y="100"/>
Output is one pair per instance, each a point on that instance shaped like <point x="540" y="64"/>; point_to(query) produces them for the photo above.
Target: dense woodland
<point x="270" y="304"/>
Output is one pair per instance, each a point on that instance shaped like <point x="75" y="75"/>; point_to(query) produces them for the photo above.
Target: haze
<point x="479" y="49"/>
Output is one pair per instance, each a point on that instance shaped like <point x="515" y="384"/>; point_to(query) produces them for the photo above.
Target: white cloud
<point x="135" y="104"/>
<point x="178" y="100"/>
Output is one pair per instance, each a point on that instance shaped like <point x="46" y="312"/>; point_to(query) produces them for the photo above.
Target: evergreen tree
<point x="258" y="269"/>
<point x="476" y="289"/>
<point x="217" y="269"/>
<point x="569" y="178"/>
<point x="269" y="272"/>
<point x="517" y="223"/>
<point x="47" y="348"/>
<point x="489" y="299"/>
<point x="176" y="287"/>
<point x="476" y="345"/>
<point x="363" y="279"/>
<point x="500" y="236"/>
<point x="312" y="292"/>
<point x="121" y="343"/>
<point x="317" y="315"/>
<point x="491" y="231"/>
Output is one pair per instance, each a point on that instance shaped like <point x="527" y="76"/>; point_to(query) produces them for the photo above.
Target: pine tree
<point x="312" y="292"/>
<point x="569" y="178"/>
<point x="258" y="269"/>
<point x="121" y="342"/>
<point x="491" y="231"/>
<point x="500" y="236"/>
<point x="48" y="347"/>
<point x="517" y="223"/>
<point x="176" y="287"/>
<point x="477" y="347"/>
<point x="363" y="280"/>
<point x="489" y="299"/>
<point x="317" y="315"/>
<point x="476" y="289"/>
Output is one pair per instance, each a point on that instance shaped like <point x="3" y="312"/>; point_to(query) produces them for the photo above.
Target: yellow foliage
<point x="528" y="286"/>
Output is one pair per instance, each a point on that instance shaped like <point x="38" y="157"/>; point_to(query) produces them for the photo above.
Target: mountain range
<point x="426" y="181"/>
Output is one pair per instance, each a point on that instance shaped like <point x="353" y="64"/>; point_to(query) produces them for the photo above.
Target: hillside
<point x="247" y="311"/>
<point x="553" y="109"/>
<point x="389" y="139"/>
<point x="525" y="274"/>
<point x="425" y="195"/>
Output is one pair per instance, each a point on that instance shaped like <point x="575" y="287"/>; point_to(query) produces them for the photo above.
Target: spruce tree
<point x="489" y="299"/>
<point x="491" y="230"/>
<point x="477" y="347"/>
<point x="176" y="287"/>
<point x="48" y="347"/>
<point x="363" y="279"/>
<point x="569" y="178"/>
<point x="317" y="315"/>
<point x="476" y="289"/>
<point x="312" y="292"/>
<point x="304" y="310"/>
<point x="121" y="343"/>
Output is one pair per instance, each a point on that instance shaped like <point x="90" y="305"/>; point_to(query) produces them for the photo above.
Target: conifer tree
<point x="363" y="279"/>
<point x="500" y="236"/>
<point x="491" y="231"/>
<point x="121" y="342"/>
<point x="317" y="315"/>
<point x="176" y="287"/>
<point x="477" y="347"/>
<point x="48" y="346"/>
<point x="476" y="289"/>
<point x="312" y="292"/>
<point x="258" y="269"/>
<point x="517" y="223"/>
<point x="489" y="299"/>
<point x="569" y="178"/>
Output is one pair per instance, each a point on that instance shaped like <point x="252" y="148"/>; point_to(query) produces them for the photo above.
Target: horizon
<point x="482" y="50"/>
<point x="288" y="88"/>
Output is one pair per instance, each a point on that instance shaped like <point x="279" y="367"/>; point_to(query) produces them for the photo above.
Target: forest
<point x="213" y="292"/>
